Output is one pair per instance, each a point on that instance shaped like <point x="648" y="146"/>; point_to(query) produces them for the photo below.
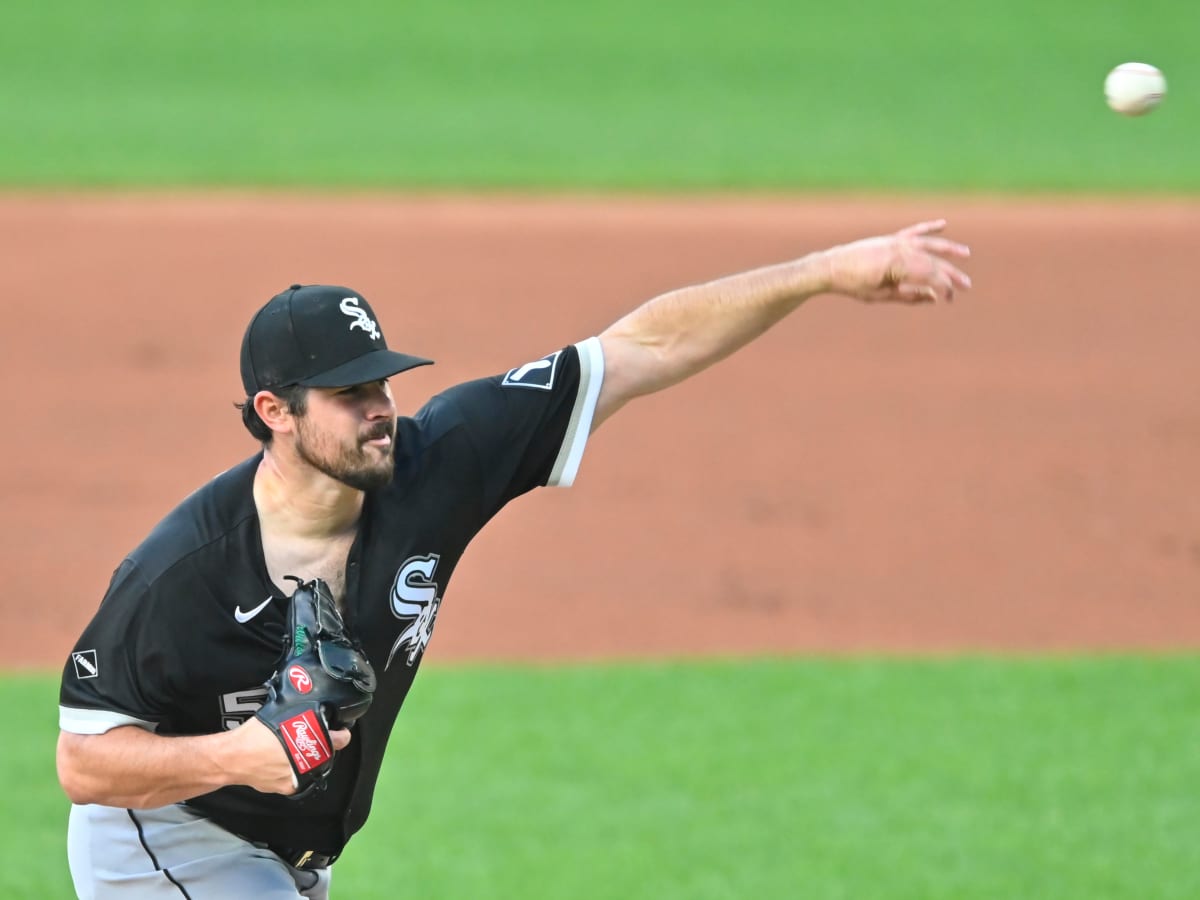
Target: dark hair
<point x="294" y="396"/>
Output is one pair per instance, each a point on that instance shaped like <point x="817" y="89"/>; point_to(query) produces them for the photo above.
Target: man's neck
<point x="296" y="500"/>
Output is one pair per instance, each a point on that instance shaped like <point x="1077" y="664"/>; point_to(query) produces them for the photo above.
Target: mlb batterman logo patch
<point x="85" y="664"/>
<point x="538" y="375"/>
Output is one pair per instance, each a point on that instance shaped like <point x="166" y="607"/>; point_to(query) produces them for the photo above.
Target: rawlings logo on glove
<point x="302" y="735"/>
<point x="324" y="681"/>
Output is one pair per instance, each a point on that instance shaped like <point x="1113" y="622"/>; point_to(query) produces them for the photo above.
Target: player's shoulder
<point x="211" y="513"/>
<point x="564" y="368"/>
<point x="460" y="426"/>
<point x="559" y="371"/>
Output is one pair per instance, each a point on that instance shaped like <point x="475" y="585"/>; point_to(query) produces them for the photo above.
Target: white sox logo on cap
<point x="350" y="307"/>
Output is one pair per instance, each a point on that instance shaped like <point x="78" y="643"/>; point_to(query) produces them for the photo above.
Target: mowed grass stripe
<point x="676" y="95"/>
<point x="987" y="778"/>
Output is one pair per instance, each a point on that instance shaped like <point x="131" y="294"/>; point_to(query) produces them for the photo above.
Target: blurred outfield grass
<point x="955" y="778"/>
<point x="675" y="95"/>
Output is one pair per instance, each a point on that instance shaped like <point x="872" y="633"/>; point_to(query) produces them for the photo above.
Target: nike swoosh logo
<point x="245" y="617"/>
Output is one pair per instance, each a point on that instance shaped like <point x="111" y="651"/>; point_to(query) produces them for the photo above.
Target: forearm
<point x="130" y="767"/>
<point x="684" y="331"/>
<point x="678" y="334"/>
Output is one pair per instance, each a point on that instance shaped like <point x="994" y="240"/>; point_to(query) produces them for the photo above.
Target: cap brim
<point x="371" y="367"/>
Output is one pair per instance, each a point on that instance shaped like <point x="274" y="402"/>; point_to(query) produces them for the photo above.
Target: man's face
<point x="349" y="434"/>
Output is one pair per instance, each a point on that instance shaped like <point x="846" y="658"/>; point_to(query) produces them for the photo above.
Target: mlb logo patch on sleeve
<point x="538" y="375"/>
<point x="85" y="664"/>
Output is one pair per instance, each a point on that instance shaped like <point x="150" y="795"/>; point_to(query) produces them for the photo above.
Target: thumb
<point x="340" y="738"/>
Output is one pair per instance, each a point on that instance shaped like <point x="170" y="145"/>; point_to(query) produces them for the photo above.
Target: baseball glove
<point x="324" y="681"/>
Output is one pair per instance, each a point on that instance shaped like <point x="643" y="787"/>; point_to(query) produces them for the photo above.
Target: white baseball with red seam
<point x="1134" y="88"/>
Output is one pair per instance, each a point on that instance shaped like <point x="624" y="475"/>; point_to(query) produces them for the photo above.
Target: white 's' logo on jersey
<point x="538" y="374"/>
<point x="350" y="307"/>
<point x="86" y="665"/>
<point x="415" y="602"/>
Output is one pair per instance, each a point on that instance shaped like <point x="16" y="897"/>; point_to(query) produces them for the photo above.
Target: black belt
<point x="303" y="859"/>
<point x="297" y="859"/>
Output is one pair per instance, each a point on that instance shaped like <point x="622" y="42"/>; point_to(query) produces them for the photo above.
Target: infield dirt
<point x="1014" y="472"/>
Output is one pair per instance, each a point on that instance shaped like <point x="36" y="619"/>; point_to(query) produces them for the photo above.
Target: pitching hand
<point x="911" y="266"/>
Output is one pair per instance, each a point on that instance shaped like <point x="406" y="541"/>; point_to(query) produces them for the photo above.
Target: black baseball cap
<point x="317" y="335"/>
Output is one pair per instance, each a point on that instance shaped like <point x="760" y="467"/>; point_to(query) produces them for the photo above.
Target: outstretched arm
<point x="682" y="332"/>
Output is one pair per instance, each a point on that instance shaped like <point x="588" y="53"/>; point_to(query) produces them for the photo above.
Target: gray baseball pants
<point x="171" y="853"/>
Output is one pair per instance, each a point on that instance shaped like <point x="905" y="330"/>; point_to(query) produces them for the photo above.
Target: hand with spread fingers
<point x="914" y="265"/>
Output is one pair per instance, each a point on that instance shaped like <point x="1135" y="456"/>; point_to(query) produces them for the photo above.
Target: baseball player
<point x="225" y="714"/>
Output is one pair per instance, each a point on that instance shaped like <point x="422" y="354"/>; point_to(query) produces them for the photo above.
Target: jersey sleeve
<point x="530" y="426"/>
<point x="117" y="672"/>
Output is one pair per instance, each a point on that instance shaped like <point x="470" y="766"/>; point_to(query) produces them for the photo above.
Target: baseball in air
<point x="1134" y="88"/>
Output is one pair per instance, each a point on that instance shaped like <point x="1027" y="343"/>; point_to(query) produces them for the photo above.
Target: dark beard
<point x="356" y="473"/>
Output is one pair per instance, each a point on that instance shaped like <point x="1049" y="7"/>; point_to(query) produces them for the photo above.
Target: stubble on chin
<point x="377" y="474"/>
<point x="361" y="468"/>
<point x="369" y="471"/>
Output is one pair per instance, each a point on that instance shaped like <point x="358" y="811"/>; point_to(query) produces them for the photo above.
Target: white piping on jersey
<point x="591" y="377"/>
<point x="97" y="721"/>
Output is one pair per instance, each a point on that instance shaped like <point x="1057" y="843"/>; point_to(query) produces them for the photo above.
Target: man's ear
<point x="273" y="411"/>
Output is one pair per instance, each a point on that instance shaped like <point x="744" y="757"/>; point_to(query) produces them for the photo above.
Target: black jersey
<point x="191" y="625"/>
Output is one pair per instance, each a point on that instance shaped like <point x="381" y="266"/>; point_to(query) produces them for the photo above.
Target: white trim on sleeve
<point x="591" y="376"/>
<point x="96" y="721"/>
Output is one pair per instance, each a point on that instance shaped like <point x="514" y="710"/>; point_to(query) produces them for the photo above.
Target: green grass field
<point x="677" y="95"/>
<point x="971" y="778"/>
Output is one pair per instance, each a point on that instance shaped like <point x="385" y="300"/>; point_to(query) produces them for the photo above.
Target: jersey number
<point x="238" y="706"/>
